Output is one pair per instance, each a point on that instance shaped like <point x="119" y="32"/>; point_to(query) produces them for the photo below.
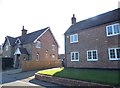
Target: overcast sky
<point x="38" y="14"/>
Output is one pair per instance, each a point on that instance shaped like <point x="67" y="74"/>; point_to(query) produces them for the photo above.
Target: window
<point x="113" y="29"/>
<point x="47" y="55"/>
<point x="92" y="55"/>
<point x="37" y="57"/>
<point x="74" y="38"/>
<point x="53" y="56"/>
<point x="53" y="47"/>
<point x="18" y="41"/>
<point x="6" y="48"/>
<point x="114" y="53"/>
<point x="38" y="44"/>
<point x="74" y="56"/>
<point x="24" y="58"/>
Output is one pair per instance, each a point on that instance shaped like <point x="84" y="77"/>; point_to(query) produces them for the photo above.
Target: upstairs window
<point x="113" y="29"/>
<point x="18" y="41"/>
<point x="53" y="47"/>
<point x="74" y="56"/>
<point x="92" y="55"/>
<point x="114" y="53"/>
<point x="74" y="38"/>
<point x="38" y="44"/>
<point x="6" y="48"/>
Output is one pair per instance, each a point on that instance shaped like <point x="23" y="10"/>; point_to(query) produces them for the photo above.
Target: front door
<point x="17" y="61"/>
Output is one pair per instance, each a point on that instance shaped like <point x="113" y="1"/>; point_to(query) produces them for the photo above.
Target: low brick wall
<point x="67" y="82"/>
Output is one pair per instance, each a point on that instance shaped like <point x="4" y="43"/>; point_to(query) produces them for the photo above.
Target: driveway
<point x="24" y="79"/>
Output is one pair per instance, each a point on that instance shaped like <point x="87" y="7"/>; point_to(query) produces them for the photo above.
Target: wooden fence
<point x="42" y="64"/>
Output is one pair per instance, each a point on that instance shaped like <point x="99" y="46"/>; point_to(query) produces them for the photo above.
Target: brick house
<point x="31" y="51"/>
<point x="94" y="42"/>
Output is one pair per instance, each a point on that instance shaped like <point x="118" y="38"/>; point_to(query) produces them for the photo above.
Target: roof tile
<point x="95" y="21"/>
<point x="28" y="38"/>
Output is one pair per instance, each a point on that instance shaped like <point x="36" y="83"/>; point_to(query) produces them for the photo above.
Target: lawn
<point x="111" y="77"/>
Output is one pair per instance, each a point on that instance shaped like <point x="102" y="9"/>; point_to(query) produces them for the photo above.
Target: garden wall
<point x="68" y="82"/>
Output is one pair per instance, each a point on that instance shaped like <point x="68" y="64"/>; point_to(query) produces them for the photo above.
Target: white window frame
<point x="92" y="55"/>
<point x="53" y="47"/>
<point x="18" y="41"/>
<point x="115" y="54"/>
<point x="72" y="38"/>
<point x="113" y="34"/>
<point x="38" y="44"/>
<point x="74" y="56"/>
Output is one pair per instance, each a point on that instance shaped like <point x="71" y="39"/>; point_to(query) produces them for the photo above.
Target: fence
<point x="42" y="64"/>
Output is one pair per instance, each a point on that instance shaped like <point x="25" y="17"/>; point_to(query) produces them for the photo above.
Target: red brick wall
<point x="92" y="39"/>
<point x="68" y="82"/>
<point x="46" y="44"/>
<point x="45" y="61"/>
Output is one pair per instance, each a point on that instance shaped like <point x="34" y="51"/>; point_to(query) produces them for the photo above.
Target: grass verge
<point x="111" y="77"/>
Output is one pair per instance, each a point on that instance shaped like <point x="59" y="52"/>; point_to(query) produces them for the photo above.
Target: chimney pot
<point x="73" y="19"/>
<point x="24" y="31"/>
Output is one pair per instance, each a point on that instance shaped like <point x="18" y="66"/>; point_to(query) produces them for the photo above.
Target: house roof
<point x="28" y="38"/>
<point x="107" y="17"/>
<point x="11" y="40"/>
<point x="23" y="50"/>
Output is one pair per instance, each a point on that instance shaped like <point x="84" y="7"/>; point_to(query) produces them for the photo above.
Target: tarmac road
<point x="25" y="79"/>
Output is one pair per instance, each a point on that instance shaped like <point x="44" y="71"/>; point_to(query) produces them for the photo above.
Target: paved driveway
<point x="24" y="79"/>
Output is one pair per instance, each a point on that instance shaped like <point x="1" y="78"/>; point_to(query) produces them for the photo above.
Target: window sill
<point x="73" y="42"/>
<point x="113" y="35"/>
<point x="38" y="47"/>
<point x="115" y="59"/>
<point x="92" y="60"/>
<point x="74" y="60"/>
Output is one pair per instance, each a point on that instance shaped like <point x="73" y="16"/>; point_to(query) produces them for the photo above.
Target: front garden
<point x="110" y="77"/>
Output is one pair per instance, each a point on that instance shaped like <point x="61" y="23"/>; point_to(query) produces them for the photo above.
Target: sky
<point x="56" y="14"/>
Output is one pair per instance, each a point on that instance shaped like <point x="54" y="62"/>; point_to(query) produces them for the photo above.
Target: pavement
<point x="24" y="79"/>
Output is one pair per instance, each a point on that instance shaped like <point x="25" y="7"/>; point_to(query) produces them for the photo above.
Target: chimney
<point x="24" y="31"/>
<point x="73" y="19"/>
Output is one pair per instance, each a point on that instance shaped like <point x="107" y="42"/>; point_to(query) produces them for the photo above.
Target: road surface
<point x="24" y="79"/>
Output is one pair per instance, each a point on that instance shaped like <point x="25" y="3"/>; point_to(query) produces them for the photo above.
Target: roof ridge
<point x="30" y="37"/>
<point x="107" y="12"/>
<point x="10" y="37"/>
<point x="97" y="20"/>
<point x="32" y="32"/>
